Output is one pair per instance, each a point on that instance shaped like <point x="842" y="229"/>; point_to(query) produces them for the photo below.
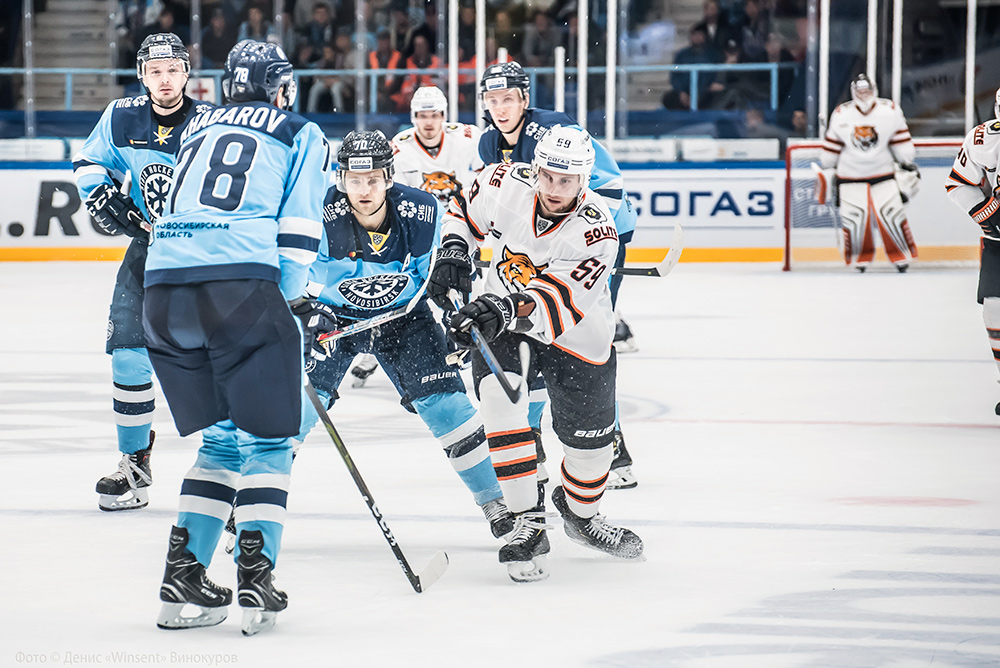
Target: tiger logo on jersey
<point x="516" y="269"/>
<point x="440" y="184"/>
<point x="864" y="137"/>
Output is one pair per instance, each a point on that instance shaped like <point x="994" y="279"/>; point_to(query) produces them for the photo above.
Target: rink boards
<point x="731" y="212"/>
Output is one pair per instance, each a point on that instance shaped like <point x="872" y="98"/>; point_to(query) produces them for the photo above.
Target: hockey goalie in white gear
<point x="974" y="186"/>
<point x="433" y="155"/>
<point x="869" y="149"/>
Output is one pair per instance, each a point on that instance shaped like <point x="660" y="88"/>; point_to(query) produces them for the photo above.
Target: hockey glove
<point x="452" y="271"/>
<point x="987" y="215"/>
<point x="317" y="318"/>
<point x="116" y="213"/>
<point x="491" y="315"/>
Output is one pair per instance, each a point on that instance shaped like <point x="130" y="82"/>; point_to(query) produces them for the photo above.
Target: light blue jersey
<point x="246" y="202"/>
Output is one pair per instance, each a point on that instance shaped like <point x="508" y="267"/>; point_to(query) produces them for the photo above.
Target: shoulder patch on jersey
<point x="592" y="215"/>
<point x="993" y="128"/>
<point x="523" y="174"/>
<point x="128" y="102"/>
<point x="403" y="137"/>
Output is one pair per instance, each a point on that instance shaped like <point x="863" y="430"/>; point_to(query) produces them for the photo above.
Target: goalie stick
<point x="381" y="318"/>
<point x="662" y="268"/>
<point x="438" y="563"/>
<point x="523" y="353"/>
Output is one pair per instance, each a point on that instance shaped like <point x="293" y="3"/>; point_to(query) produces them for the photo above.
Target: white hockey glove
<point x="826" y="182"/>
<point x="908" y="180"/>
<point x="987" y="215"/>
<point x="116" y="213"/>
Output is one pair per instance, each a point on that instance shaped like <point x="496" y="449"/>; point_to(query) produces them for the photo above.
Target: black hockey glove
<point x="317" y="318"/>
<point x="491" y="315"/>
<point x="116" y="213"/>
<point x="987" y="215"/>
<point x="452" y="271"/>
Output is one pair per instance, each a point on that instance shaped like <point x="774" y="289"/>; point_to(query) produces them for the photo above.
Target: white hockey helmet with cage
<point x="565" y="150"/>
<point x="427" y="98"/>
<point x="863" y="92"/>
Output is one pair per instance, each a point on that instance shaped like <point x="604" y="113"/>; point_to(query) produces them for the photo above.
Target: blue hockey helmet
<point x="257" y="72"/>
<point x="161" y="46"/>
<point x="365" y="151"/>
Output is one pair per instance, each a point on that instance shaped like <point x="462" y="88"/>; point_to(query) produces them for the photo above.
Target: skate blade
<point x="256" y="620"/>
<point x="171" y="616"/>
<point x="130" y="500"/>
<point x="622" y="478"/>
<point x="528" y="571"/>
<point x="230" y="545"/>
<point x="579" y="540"/>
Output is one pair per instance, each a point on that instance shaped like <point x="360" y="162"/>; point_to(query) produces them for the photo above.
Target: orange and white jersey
<point x="456" y="164"/>
<point x="862" y="145"/>
<point x="974" y="177"/>
<point x="562" y="263"/>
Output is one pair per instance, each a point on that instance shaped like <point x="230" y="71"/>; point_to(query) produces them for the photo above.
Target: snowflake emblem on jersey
<point x="154" y="184"/>
<point x="373" y="292"/>
<point x="407" y="209"/>
<point x="341" y="208"/>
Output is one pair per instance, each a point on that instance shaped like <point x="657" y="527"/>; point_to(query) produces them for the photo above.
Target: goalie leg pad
<point x="859" y="244"/>
<point x="890" y="216"/>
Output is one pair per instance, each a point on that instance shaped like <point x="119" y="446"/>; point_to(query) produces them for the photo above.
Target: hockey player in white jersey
<point x="974" y="186"/>
<point x="554" y="243"/>
<point x="869" y="150"/>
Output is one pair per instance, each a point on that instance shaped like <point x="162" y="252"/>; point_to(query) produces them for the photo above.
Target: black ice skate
<point x="185" y="583"/>
<point x="624" y="341"/>
<point x="621" y="476"/>
<point x="595" y="532"/>
<point x="500" y="519"/>
<point x="125" y="489"/>
<point x="260" y="601"/>
<point x="543" y="474"/>
<point x="363" y="370"/>
<point x="524" y="553"/>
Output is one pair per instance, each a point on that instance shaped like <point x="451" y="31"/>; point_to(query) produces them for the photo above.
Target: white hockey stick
<point x="665" y="265"/>
<point x="438" y="563"/>
<point x="381" y="318"/>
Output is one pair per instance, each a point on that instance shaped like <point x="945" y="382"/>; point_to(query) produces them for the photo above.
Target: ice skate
<point x="524" y="554"/>
<point x="621" y="476"/>
<point x="230" y="530"/>
<point x="543" y="474"/>
<point x="125" y="489"/>
<point x="260" y="601"/>
<point x="595" y="532"/>
<point x="500" y="519"/>
<point x="363" y="370"/>
<point x="902" y="267"/>
<point x="186" y="584"/>
<point x="624" y="341"/>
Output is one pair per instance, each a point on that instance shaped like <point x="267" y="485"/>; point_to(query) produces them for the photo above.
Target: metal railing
<point x="372" y="76"/>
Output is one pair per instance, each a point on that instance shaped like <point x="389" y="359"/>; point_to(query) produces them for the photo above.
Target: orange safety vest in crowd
<point x="391" y="65"/>
<point x="414" y="81"/>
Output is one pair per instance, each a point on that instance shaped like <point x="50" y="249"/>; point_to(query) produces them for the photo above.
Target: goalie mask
<point x="161" y="46"/>
<point x="364" y="151"/>
<point x="561" y="152"/>
<point x="864" y="92"/>
<point x="257" y="72"/>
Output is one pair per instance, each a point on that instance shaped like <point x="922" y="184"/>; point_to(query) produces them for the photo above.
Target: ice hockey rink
<point x="819" y="486"/>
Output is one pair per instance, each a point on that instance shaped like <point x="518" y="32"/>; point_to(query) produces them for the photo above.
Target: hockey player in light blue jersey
<point x="138" y="136"/>
<point x="241" y="227"/>
<point x="379" y="238"/>
<point x="514" y="132"/>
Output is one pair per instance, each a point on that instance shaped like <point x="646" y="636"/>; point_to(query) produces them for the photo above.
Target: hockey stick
<point x="523" y="353"/>
<point x="665" y="265"/>
<point x="381" y="318"/>
<point x="438" y="563"/>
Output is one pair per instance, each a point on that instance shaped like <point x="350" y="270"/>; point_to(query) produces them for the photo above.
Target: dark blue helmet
<point x="505" y="75"/>
<point x="257" y="72"/>
<point x="365" y="151"/>
<point x="161" y="46"/>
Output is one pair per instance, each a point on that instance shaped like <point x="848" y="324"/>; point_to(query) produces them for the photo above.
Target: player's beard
<point x="167" y="103"/>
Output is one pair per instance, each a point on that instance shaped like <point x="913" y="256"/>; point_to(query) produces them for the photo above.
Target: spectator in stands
<point x="315" y="34"/>
<point x="800" y="123"/>
<point x="400" y="27"/>
<point x="729" y="89"/>
<point x="384" y="57"/>
<point x="507" y="36"/>
<point x="305" y="11"/>
<point x="422" y="58"/>
<point x="165" y="22"/>
<point x="754" y="31"/>
<point x="698" y="53"/>
<point x="216" y="40"/>
<point x="428" y="29"/>
<point x="716" y="25"/>
<point x="756" y="127"/>
<point x="341" y="55"/>
<point x="467" y="29"/>
<point x="289" y="38"/>
<point x="541" y="37"/>
<point x="777" y="53"/>
<point x="257" y="27"/>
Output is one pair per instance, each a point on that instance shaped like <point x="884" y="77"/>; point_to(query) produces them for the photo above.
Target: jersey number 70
<point x="223" y="184"/>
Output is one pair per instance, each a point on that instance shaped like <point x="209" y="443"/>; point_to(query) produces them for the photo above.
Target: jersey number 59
<point x="588" y="271"/>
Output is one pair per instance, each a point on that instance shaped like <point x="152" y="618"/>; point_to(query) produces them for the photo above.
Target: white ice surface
<point x="819" y="485"/>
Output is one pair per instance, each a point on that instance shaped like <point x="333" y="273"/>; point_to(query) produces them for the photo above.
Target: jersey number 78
<point x="224" y="182"/>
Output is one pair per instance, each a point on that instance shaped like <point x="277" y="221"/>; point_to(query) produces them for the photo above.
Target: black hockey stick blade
<point x="438" y="564"/>
<point x="665" y="265"/>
